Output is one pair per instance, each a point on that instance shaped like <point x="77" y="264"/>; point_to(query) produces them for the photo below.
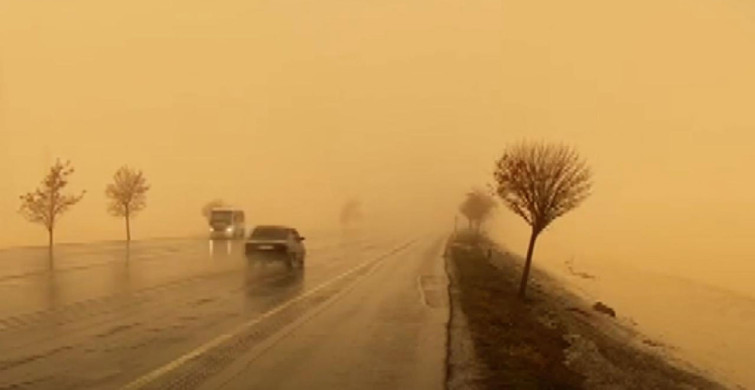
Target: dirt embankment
<point x="553" y="340"/>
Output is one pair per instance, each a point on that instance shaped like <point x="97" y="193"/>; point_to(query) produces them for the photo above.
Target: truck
<point x="227" y="223"/>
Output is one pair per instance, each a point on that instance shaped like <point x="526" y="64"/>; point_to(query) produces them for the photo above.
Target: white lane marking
<point x="422" y="298"/>
<point x="153" y="375"/>
<point x="269" y="342"/>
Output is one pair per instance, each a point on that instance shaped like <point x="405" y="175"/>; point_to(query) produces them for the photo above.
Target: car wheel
<point x="252" y="260"/>
<point x="290" y="260"/>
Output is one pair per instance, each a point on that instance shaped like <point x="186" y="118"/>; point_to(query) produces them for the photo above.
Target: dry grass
<point x="517" y="350"/>
<point x="551" y="341"/>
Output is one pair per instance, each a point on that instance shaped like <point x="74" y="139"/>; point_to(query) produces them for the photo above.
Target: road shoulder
<point x="464" y="370"/>
<point x="552" y="340"/>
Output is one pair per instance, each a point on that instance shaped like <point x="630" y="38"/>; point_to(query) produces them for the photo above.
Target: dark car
<point x="273" y="242"/>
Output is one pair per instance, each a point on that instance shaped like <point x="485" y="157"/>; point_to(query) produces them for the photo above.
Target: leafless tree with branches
<point x="127" y="194"/>
<point x="47" y="203"/>
<point x="351" y="212"/>
<point x="477" y="207"/>
<point x="541" y="182"/>
<point x="213" y="204"/>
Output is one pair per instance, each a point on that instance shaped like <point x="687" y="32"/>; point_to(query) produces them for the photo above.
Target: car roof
<point x="226" y="209"/>
<point x="280" y="227"/>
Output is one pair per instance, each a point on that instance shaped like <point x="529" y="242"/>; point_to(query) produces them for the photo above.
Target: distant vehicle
<point x="226" y="223"/>
<point x="276" y="243"/>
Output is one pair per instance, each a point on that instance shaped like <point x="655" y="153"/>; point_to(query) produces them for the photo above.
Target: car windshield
<point x="221" y="216"/>
<point x="270" y="233"/>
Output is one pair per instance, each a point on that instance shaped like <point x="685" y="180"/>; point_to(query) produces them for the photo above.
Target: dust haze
<point x="291" y="109"/>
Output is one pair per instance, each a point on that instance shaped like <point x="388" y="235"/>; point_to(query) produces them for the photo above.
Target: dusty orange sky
<point x="290" y="108"/>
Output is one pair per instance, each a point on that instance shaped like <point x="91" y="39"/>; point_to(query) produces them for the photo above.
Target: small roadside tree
<point x="47" y="203"/>
<point x="351" y="212"/>
<point x="477" y="207"/>
<point x="127" y="194"/>
<point x="541" y="182"/>
<point x="213" y="204"/>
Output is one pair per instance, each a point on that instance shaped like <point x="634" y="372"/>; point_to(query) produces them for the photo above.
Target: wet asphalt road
<point x="365" y="312"/>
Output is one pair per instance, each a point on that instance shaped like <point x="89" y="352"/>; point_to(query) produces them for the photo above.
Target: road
<point x="365" y="312"/>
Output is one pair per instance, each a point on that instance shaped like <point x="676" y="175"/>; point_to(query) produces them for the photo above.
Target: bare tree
<point x="127" y="194"/>
<point x="213" y="204"/>
<point x="477" y="207"/>
<point x="47" y="203"/>
<point x="351" y="212"/>
<point x="541" y="182"/>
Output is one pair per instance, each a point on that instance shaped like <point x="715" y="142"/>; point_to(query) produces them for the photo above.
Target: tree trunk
<point x="49" y="245"/>
<point x="527" y="264"/>
<point x="128" y="228"/>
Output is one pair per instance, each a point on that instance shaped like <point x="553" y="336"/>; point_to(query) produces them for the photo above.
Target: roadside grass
<point x="517" y="351"/>
<point x="523" y="344"/>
